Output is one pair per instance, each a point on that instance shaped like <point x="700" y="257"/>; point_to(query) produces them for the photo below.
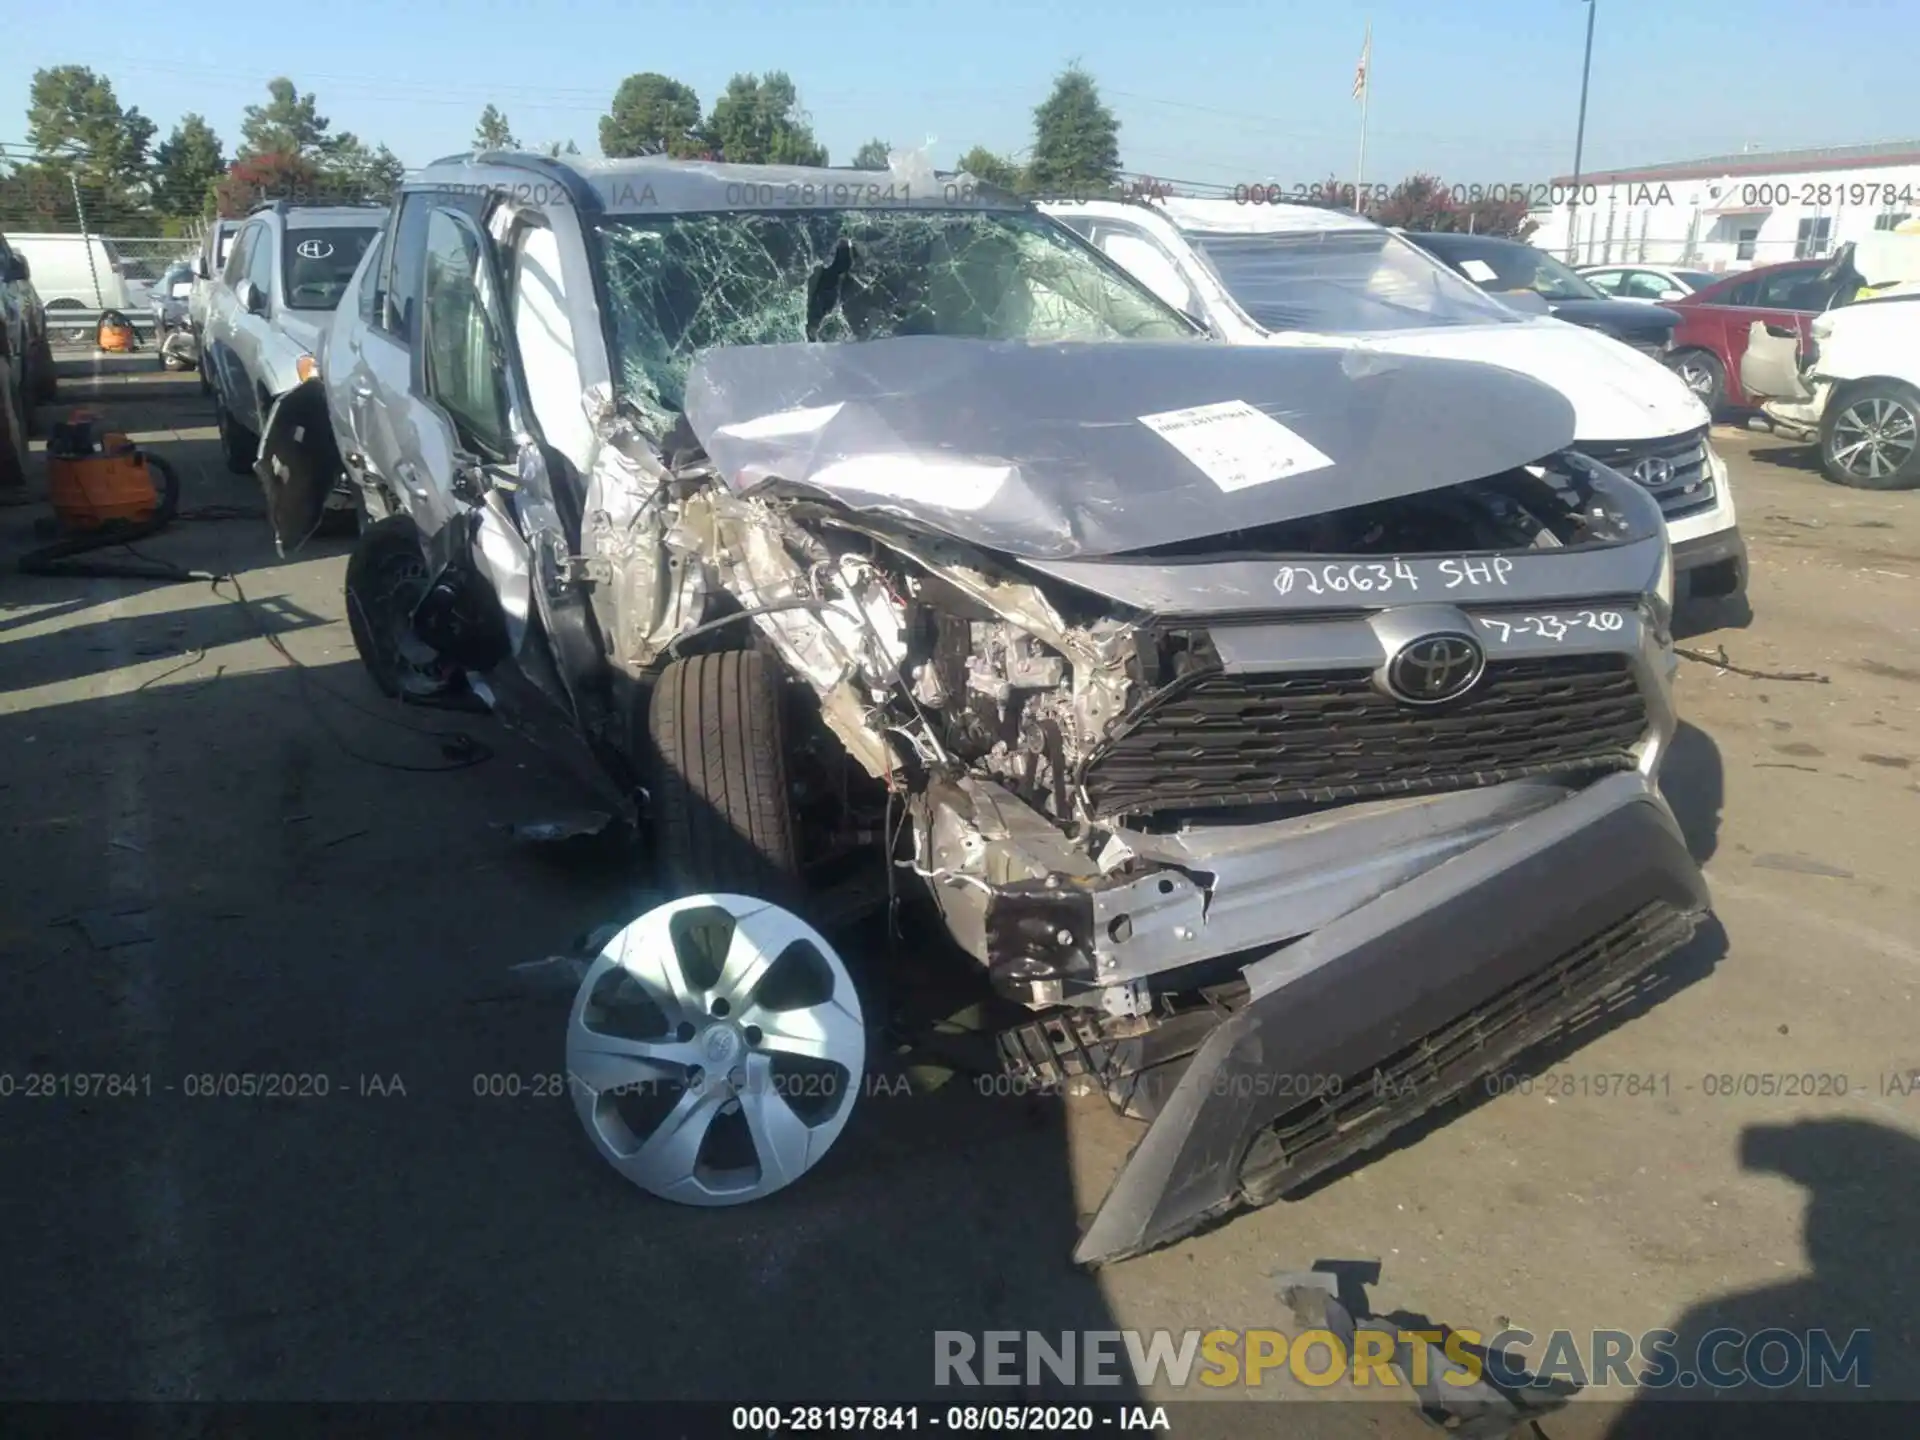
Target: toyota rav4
<point x="1278" y="726"/>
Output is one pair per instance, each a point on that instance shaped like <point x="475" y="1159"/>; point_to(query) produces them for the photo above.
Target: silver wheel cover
<point x="715" y="1050"/>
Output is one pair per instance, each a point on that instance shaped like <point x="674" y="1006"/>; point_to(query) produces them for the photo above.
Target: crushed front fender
<point x="1402" y="1003"/>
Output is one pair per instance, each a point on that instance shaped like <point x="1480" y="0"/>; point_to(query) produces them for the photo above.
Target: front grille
<point x="1675" y="472"/>
<point x="1586" y="984"/>
<point x="1330" y="735"/>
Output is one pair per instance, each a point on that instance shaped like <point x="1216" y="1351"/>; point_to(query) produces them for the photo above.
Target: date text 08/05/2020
<point x="1551" y="194"/>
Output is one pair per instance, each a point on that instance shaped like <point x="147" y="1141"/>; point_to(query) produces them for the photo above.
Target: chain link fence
<point x="91" y="249"/>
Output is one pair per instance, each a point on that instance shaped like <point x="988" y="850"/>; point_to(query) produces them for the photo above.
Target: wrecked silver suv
<point x="1279" y="726"/>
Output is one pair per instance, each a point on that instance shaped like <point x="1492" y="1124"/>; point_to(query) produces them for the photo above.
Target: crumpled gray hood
<point x="1041" y="452"/>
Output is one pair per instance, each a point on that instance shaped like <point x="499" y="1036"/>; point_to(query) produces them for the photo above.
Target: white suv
<point x="287" y="270"/>
<point x="1302" y="275"/>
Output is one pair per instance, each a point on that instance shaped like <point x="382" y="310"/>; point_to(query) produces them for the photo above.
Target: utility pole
<point x="1579" y="140"/>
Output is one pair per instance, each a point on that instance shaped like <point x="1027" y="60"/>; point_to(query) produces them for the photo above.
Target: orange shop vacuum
<point x="115" y="333"/>
<point x="103" y="491"/>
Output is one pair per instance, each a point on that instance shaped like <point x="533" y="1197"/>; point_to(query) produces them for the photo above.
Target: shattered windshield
<point x="1342" y="282"/>
<point x="320" y="262"/>
<point x="681" y="284"/>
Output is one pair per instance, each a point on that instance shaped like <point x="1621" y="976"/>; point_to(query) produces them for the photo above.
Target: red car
<point x="1712" y="333"/>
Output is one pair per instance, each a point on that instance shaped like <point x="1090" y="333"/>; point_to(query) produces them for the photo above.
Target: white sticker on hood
<point x="1477" y="271"/>
<point x="1235" y="444"/>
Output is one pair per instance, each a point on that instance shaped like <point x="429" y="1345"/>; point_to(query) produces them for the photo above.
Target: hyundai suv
<point x="286" y="272"/>
<point x="1279" y="727"/>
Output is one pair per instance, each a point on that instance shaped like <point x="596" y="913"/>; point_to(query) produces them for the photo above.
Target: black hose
<point x="61" y="557"/>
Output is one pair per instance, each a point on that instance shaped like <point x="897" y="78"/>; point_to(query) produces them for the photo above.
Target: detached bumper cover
<point x="1404" y="1002"/>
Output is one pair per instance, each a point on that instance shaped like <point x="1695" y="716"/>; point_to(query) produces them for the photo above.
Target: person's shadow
<point x="1861" y="1178"/>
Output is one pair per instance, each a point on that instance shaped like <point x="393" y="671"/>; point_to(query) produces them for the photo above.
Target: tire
<point x="239" y="446"/>
<point x="206" y="381"/>
<point x="46" y="379"/>
<point x="722" y="812"/>
<point x="386" y="572"/>
<point x="340" y="524"/>
<point x="1702" y="373"/>
<point x="1872" y="425"/>
<point x="13" y="430"/>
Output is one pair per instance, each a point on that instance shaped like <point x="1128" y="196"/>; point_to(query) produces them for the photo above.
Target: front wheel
<point x="1704" y="375"/>
<point x="722" y="810"/>
<point x="386" y="576"/>
<point x="1870" y="437"/>
<point x="239" y="446"/>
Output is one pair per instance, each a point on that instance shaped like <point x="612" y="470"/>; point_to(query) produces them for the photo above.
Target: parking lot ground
<point x="222" y="856"/>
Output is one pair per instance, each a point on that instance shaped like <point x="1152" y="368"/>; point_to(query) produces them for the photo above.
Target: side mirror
<point x="15" y="269"/>
<point x="251" y="297"/>
<point x="200" y="268"/>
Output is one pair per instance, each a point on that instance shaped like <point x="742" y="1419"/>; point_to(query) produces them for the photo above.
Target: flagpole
<point x="1366" y="96"/>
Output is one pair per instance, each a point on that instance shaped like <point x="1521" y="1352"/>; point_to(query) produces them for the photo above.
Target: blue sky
<point x="1205" y="89"/>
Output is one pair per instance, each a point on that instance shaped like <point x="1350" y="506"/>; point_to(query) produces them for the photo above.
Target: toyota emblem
<point x="1435" y="668"/>
<point x="1653" y="472"/>
<point x="313" y="249"/>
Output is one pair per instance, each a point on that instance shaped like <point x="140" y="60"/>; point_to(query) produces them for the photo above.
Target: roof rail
<point x="579" y="191"/>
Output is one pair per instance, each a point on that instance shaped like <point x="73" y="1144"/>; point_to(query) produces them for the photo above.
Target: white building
<point x="1729" y="212"/>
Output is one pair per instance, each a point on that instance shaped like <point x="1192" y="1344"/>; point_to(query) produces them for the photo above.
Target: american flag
<point x="1360" y="72"/>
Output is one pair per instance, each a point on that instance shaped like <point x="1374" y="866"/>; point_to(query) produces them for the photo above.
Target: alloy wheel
<point x="715" y="1050"/>
<point x="1874" y="436"/>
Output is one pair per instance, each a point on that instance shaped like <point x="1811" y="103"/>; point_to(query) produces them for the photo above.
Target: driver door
<point x="466" y="429"/>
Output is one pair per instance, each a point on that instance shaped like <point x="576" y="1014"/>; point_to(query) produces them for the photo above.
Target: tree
<point x="185" y="166"/>
<point x="354" y="172"/>
<point x="1426" y="202"/>
<point x="1076" y="140"/>
<point x="493" y="132"/>
<point x="288" y="124"/>
<point x="253" y="178"/>
<point x="758" y="121"/>
<point x="651" y="114"/>
<point x="984" y="164"/>
<point x="1419" y="202"/>
<point x="80" y="133"/>
<point x="872" y="155"/>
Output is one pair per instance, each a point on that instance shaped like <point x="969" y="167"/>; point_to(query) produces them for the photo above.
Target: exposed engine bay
<point x="1014" y="718"/>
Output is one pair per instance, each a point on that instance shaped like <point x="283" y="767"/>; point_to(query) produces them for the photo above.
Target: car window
<point x="1607" y="282"/>
<point x="1644" y="285"/>
<point x="320" y="262"/>
<point x="400" y="288"/>
<point x="369" y="291"/>
<point x="1509" y="267"/>
<point x="1794" y="290"/>
<point x="1698" y="279"/>
<point x="543" y="334"/>
<point x="236" y="270"/>
<point x="1743" y="294"/>
<point x="464" y="363"/>
<point x="1147" y="260"/>
<point x="260" y="261"/>
<point x="1343" y="282"/>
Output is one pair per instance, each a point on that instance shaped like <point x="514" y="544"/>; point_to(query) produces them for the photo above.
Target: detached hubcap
<point x="715" y="1050"/>
<point x="1874" y="437"/>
